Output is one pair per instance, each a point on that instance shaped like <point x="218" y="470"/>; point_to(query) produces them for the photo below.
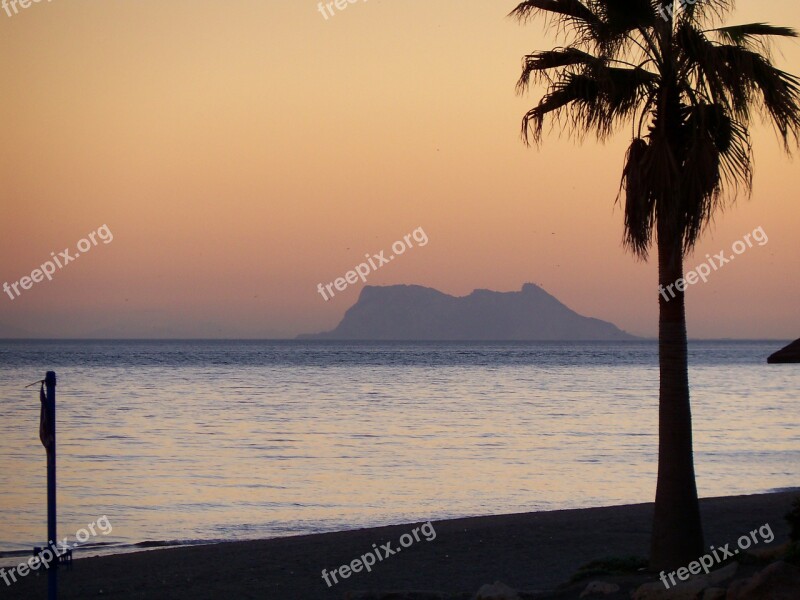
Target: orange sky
<point x="242" y="152"/>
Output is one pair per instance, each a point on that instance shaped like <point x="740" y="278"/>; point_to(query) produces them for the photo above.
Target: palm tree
<point x="688" y="89"/>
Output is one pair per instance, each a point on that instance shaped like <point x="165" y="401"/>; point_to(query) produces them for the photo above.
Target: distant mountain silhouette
<point x="413" y="312"/>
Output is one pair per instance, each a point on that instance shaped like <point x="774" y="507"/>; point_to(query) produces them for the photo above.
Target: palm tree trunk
<point x="677" y="531"/>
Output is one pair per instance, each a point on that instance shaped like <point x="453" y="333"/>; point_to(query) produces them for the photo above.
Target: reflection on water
<point x="187" y="441"/>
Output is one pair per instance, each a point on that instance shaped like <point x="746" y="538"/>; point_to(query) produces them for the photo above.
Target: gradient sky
<point x="242" y="152"/>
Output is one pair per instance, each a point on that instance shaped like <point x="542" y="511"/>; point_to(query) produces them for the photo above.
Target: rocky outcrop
<point x="416" y="313"/>
<point x="779" y="581"/>
<point x="789" y="354"/>
<point x="600" y="588"/>
<point x="497" y="591"/>
<point x="693" y="589"/>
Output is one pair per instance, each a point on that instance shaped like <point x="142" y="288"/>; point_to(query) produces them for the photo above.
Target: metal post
<point x="52" y="572"/>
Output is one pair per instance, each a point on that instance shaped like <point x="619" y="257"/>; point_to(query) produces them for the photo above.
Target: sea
<point x="193" y="442"/>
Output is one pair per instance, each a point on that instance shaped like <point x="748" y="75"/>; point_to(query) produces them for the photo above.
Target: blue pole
<point x="52" y="572"/>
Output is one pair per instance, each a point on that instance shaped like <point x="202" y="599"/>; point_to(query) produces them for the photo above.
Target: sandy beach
<point x="530" y="552"/>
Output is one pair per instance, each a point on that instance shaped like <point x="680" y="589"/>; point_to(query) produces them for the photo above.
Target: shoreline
<point x="106" y="549"/>
<point x="528" y="551"/>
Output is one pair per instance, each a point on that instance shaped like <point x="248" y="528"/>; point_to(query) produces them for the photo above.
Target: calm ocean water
<point x="184" y="442"/>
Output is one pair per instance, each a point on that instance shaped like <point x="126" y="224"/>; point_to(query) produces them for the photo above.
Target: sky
<point x="240" y="153"/>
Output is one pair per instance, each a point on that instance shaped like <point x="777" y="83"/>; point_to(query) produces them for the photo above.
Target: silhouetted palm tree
<point x="688" y="91"/>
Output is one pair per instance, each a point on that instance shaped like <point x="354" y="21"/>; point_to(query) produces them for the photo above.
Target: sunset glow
<point x="243" y="152"/>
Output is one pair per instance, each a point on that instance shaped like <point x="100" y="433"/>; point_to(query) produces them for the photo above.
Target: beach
<point x="529" y="552"/>
<point x="457" y="315"/>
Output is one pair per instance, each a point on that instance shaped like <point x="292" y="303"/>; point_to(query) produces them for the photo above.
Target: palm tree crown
<point x="688" y="90"/>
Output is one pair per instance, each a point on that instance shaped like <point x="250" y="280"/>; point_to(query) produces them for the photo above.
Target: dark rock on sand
<point x="779" y="581"/>
<point x="497" y="591"/>
<point x="686" y="590"/>
<point x="789" y="354"/>
<point x="405" y="596"/>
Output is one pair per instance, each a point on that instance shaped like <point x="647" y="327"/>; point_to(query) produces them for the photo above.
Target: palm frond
<point x="639" y="200"/>
<point x="705" y="11"/>
<point x="619" y="20"/>
<point x="572" y="11"/>
<point x="757" y="37"/>
<point x="743" y="35"/>
<point x="572" y="18"/>
<point x="623" y="90"/>
<point x="621" y="16"/>
<point x="717" y="151"/>
<point x="780" y="93"/>
<point x="594" y="99"/>
<point x="578" y="90"/>
<point x="539" y="63"/>
<point x="745" y="81"/>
